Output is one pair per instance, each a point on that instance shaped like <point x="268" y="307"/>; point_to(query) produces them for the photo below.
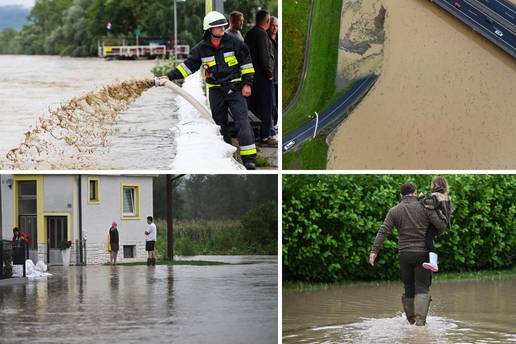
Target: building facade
<point x="80" y="209"/>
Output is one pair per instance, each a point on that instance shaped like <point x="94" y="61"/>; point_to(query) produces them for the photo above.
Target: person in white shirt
<point x="150" y="241"/>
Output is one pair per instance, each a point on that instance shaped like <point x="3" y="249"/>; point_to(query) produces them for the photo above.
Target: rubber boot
<point x="148" y="261"/>
<point x="249" y="162"/>
<point x="408" y="308"/>
<point x="432" y="265"/>
<point x="153" y="261"/>
<point x="421" y="306"/>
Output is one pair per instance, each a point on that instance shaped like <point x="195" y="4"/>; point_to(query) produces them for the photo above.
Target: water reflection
<point x="482" y="311"/>
<point x="183" y="304"/>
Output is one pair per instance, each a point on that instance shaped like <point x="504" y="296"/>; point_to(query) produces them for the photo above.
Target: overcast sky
<point x="26" y="3"/>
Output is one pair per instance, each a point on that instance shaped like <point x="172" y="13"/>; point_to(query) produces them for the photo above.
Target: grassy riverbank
<point x="295" y="27"/>
<point x="488" y="275"/>
<point x="176" y="262"/>
<point x="319" y="88"/>
<point x="312" y="156"/>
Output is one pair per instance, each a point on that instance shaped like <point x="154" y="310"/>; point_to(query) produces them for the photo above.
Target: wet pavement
<point x="461" y="312"/>
<point x="132" y="304"/>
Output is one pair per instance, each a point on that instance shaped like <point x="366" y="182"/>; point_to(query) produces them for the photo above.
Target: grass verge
<point x="295" y="27"/>
<point x="488" y="275"/>
<point x="311" y="156"/>
<point x="319" y="87"/>
<point x="176" y="262"/>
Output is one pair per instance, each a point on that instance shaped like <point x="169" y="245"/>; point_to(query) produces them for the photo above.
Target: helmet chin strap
<point x="215" y="36"/>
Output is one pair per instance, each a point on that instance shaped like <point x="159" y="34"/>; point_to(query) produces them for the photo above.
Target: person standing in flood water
<point x="412" y="220"/>
<point x="150" y="241"/>
<point x="113" y="243"/>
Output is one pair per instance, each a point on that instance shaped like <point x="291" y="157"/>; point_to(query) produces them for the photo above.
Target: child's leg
<point x="431" y="233"/>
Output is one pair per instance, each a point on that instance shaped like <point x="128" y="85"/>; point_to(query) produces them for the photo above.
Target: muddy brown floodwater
<point x="444" y="100"/>
<point x="224" y="304"/>
<point x="461" y="312"/>
<point x="55" y="114"/>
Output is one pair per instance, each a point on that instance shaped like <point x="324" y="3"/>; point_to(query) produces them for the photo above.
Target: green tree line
<point x="330" y="222"/>
<point x="214" y="197"/>
<point x="220" y="214"/>
<point x="73" y="27"/>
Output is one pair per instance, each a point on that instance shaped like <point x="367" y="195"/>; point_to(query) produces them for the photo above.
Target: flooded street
<point x="30" y="85"/>
<point x="161" y="304"/>
<point x="461" y="312"/>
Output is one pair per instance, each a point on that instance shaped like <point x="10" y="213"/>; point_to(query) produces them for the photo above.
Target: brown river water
<point x="444" y="99"/>
<point x="461" y="312"/>
<point x="135" y="136"/>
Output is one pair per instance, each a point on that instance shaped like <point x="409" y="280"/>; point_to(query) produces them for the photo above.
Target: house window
<point x="129" y="251"/>
<point x="93" y="190"/>
<point x="130" y="201"/>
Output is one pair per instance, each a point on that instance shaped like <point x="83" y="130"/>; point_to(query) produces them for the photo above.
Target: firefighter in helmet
<point x="227" y="67"/>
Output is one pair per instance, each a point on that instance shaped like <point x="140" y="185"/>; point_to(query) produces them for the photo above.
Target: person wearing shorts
<point x="150" y="241"/>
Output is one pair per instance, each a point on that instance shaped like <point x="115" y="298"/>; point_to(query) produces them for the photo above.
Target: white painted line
<point x="485" y="27"/>
<point x="501" y="3"/>
<point x="351" y="95"/>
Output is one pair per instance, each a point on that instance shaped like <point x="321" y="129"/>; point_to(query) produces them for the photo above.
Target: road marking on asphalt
<point x="358" y="88"/>
<point x="470" y="11"/>
<point x="510" y="9"/>
<point x="482" y="26"/>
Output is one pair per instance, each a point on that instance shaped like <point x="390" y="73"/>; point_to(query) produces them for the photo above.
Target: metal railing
<point x="12" y="253"/>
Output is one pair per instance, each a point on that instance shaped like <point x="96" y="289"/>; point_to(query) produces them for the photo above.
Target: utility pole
<point x="215" y="5"/>
<point x="170" y="225"/>
<point x="175" y="28"/>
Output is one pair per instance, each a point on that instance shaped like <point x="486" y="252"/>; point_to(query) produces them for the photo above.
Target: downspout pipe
<point x="79" y="192"/>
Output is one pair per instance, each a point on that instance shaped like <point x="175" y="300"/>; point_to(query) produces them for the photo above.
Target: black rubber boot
<point x="421" y="306"/>
<point x="148" y="261"/>
<point x="153" y="261"/>
<point x="408" y="308"/>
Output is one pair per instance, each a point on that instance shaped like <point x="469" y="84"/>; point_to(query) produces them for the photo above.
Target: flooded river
<point x="461" y="312"/>
<point x="140" y="138"/>
<point x="161" y="304"/>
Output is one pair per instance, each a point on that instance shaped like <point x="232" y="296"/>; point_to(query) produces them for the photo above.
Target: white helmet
<point x="214" y="19"/>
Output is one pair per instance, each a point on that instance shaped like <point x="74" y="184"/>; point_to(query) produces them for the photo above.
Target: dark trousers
<point x="415" y="278"/>
<point x="261" y="103"/>
<point x="230" y="97"/>
<point x="431" y="233"/>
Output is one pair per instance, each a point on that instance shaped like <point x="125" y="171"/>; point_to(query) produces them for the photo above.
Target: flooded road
<point x="461" y="312"/>
<point x="30" y="85"/>
<point x="161" y="304"/>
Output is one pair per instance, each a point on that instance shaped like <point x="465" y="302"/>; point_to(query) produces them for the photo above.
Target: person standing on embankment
<point x="229" y="74"/>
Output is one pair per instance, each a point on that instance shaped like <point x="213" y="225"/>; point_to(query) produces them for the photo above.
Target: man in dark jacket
<point x="412" y="220"/>
<point x="229" y="72"/>
<point x="262" y="100"/>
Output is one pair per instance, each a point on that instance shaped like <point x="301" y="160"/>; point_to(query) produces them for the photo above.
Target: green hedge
<point x="330" y="222"/>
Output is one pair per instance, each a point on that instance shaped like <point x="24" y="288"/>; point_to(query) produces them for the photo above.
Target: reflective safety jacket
<point x="229" y="63"/>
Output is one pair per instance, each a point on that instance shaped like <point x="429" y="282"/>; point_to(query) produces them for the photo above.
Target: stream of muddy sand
<point x="31" y="87"/>
<point x="461" y="312"/>
<point x="444" y="99"/>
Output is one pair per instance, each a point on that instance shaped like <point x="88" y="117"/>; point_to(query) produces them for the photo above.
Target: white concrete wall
<point x="60" y="197"/>
<point x="6" y="207"/>
<point x="97" y="218"/>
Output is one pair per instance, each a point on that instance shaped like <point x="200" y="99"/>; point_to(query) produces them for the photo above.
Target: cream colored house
<point x="78" y="208"/>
